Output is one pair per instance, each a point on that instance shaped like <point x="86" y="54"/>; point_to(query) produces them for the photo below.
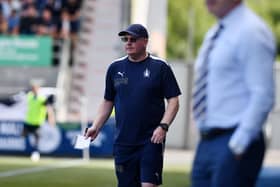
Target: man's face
<point x="134" y="46"/>
<point x="220" y="8"/>
<point x="35" y="89"/>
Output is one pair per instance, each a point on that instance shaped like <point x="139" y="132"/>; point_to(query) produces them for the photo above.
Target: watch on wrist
<point x="164" y="126"/>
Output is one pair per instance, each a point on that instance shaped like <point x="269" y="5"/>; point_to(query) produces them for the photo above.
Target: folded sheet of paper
<point x="81" y="142"/>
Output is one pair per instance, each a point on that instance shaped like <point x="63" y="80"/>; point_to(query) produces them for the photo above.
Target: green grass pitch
<point x="58" y="172"/>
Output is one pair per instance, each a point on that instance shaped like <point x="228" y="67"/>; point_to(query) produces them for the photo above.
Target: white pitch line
<point x="39" y="169"/>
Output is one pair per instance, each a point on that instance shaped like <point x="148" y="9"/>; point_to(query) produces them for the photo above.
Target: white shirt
<point x="240" y="79"/>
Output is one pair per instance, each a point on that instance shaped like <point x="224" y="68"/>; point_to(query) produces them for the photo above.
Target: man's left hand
<point x="158" y="135"/>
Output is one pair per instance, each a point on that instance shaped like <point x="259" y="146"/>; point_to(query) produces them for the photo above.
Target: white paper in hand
<point x="81" y="142"/>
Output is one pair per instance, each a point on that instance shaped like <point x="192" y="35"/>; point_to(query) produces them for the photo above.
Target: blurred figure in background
<point x="13" y="22"/>
<point x="39" y="109"/>
<point x="29" y="20"/>
<point x="73" y="10"/>
<point x="3" y="24"/>
<point x="46" y="25"/>
<point x="55" y="6"/>
<point x="233" y="95"/>
<point x="62" y="29"/>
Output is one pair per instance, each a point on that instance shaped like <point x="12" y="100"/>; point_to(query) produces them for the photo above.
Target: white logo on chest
<point x="147" y="73"/>
<point x="120" y="73"/>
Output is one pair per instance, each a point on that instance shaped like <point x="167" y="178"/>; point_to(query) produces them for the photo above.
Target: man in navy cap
<point x="137" y="85"/>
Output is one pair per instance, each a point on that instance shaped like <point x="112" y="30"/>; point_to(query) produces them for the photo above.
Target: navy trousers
<point x="216" y="166"/>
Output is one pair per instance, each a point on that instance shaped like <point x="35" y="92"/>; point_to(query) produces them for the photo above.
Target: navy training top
<point x="138" y="90"/>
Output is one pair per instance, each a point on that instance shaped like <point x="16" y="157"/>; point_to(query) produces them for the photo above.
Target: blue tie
<point x="200" y="84"/>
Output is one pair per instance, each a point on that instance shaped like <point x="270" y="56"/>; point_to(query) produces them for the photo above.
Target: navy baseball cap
<point x="136" y="30"/>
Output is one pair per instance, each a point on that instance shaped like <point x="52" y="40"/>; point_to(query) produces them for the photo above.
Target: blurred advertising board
<point x="25" y="51"/>
<point x="54" y="141"/>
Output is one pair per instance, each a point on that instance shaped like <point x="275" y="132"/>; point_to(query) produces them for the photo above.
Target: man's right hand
<point x="91" y="132"/>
